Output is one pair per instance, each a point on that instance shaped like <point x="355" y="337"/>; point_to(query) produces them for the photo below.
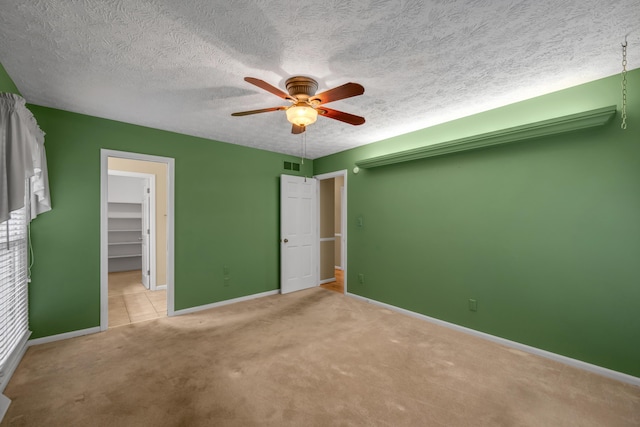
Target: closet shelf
<point x="125" y="231"/>
<point x="136" y="215"/>
<point x="572" y="122"/>
<point x="124" y="256"/>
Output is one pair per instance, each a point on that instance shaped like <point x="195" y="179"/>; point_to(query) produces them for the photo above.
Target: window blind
<point x="14" y="315"/>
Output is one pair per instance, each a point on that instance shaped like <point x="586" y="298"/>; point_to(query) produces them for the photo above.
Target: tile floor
<point x="130" y="301"/>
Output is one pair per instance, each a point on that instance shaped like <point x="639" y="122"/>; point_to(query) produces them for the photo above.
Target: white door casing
<point x="343" y="226"/>
<point x="170" y="228"/>
<point x="299" y="233"/>
<point x="344" y="200"/>
<point x="146" y="235"/>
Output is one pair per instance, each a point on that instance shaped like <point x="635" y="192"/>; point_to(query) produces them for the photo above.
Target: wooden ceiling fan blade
<point x="269" y="88"/>
<point x="347" y="90"/>
<point x="295" y="129"/>
<point x="263" y="110"/>
<point x="352" y="119"/>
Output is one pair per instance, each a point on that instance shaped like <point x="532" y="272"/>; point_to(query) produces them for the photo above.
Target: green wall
<point x="544" y="234"/>
<point x="226" y="213"/>
<point x="6" y="83"/>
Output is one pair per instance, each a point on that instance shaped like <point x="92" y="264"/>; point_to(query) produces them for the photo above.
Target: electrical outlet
<point x="361" y="278"/>
<point x="473" y="305"/>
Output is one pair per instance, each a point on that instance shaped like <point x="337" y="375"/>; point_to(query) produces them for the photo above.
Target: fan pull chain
<point x="304" y="147"/>
<point x="623" y="125"/>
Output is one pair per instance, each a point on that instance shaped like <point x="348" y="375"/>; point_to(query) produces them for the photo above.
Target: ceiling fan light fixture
<point x="306" y="104"/>
<point x="302" y="114"/>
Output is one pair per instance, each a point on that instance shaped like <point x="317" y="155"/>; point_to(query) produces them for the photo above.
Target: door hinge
<point x="148" y="272"/>
<point x="148" y="231"/>
<point x="148" y="190"/>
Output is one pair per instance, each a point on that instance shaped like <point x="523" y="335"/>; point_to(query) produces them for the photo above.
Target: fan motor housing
<point x="301" y="87"/>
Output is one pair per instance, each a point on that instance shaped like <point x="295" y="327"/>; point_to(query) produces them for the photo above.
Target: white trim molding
<point x="343" y="196"/>
<point x="65" y="336"/>
<point x="225" y="302"/>
<point x="4" y="405"/>
<point x="104" y="264"/>
<point x="13" y="361"/>
<point x="609" y="373"/>
<point x="529" y="131"/>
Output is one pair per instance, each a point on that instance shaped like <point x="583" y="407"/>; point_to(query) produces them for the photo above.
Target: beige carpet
<point x="311" y="358"/>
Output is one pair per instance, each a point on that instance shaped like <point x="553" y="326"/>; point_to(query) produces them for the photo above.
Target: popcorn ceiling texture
<point x="179" y="66"/>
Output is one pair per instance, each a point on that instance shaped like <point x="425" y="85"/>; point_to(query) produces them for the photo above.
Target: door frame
<point x="104" y="248"/>
<point x="343" y="213"/>
<point x="152" y="218"/>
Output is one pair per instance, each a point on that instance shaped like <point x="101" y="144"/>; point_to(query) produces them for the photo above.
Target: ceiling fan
<point x="305" y="104"/>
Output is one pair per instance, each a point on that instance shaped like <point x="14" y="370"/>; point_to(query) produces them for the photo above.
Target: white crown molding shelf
<point x="569" y="123"/>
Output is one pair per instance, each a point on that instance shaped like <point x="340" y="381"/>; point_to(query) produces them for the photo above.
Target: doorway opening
<point x="136" y="238"/>
<point x="131" y="210"/>
<point x="332" y="225"/>
<point x="132" y="213"/>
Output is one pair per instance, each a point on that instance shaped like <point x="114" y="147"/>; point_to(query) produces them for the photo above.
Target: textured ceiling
<point x="179" y="66"/>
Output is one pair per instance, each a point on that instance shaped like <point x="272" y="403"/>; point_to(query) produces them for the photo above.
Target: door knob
<point x="286" y="240"/>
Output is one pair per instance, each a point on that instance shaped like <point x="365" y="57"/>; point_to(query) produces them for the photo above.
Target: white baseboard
<point x="96" y="329"/>
<point x="161" y="287"/>
<point x="64" y="336"/>
<point x="4" y="405"/>
<point x="609" y="373"/>
<point x="322" y="282"/>
<point x="226" y="302"/>
<point x="13" y="361"/>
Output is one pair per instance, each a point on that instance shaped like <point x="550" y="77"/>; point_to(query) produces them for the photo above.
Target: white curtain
<point x="22" y="159"/>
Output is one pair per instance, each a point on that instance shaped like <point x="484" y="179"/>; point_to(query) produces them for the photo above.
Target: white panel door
<point x="146" y="234"/>
<point x="299" y="233"/>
